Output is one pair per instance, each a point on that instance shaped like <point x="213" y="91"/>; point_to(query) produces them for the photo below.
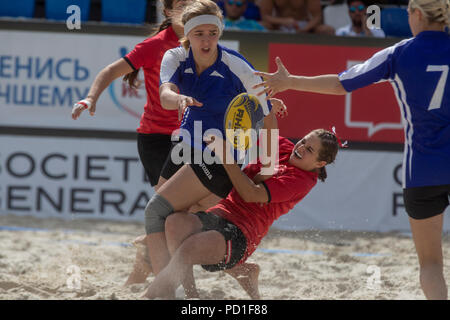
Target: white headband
<point x="203" y="19"/>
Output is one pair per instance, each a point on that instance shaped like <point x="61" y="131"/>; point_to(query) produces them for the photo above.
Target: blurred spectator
<point x="234" y="17"/>
<point x="300" y="16"/>
<point x="336" y="14"/>
<point x="251" y="12"/>
<point x="358" y="27"/>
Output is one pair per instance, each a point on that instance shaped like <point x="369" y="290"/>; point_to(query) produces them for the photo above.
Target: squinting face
<point x="305" y="153"/>
<point x="203" y="40"/>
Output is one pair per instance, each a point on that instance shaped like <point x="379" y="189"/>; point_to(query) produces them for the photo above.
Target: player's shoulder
<point x="178" y="53"/>
<point x="233" y="58"/>
<point x="400" y="46"/>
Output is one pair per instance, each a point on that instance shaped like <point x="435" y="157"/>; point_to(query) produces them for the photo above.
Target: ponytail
<point x="322" y="174"/>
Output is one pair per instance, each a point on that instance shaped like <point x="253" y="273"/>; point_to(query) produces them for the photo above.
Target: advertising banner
<point x="54" y="177"/>
<point x="369" y="114"/>
<point x="42" y="74"/>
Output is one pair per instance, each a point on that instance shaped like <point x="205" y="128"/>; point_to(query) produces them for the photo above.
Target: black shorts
<point x="234" y="238"/>
<point x="153" y="151"/>
<point x="212" y="176"/>
<point x="426" y="202"/>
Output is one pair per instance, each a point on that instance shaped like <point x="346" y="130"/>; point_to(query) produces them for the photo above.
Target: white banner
<point x="42" y="74"/>
<point x="55" y="177"/>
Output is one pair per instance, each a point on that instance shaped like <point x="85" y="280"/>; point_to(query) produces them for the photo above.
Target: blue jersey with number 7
<point x="418" y="69"/>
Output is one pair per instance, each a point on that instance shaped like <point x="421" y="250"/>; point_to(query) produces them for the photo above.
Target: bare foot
<point x="154" y="292"/>
<point x="247" y="276"/>
<point x="142" y="266"/>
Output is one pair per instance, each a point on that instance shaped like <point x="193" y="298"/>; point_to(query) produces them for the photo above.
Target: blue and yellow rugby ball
<point x="243" y="112"/>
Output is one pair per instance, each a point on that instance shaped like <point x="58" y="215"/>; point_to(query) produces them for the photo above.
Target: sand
<point x="86" y="259"/>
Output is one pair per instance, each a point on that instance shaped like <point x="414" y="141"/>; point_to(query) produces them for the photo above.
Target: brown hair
<point x="328" y="149"/>
<point x="131" y="77"/>
<point x="198" y="8"/>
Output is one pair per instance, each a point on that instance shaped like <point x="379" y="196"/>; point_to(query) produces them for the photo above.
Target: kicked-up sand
<point x="91" y="259"/>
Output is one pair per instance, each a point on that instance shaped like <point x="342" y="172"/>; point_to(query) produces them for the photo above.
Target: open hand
<point x="274" y="82"/>
<point x="184" y="102"/>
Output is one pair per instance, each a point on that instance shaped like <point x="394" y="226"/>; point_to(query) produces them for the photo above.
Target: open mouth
<point x="206" y="50"/>
<point x="298" y="154"/>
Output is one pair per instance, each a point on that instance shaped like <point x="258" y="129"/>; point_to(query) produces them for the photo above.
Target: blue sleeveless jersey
<point x="418" y="69"/>
<point x="216" y="86"/>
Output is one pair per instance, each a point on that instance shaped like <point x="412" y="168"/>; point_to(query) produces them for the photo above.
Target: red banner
<point x="369" y="114"/>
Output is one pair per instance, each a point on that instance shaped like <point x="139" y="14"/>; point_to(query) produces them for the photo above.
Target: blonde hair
<point x="195" y="9"/>
<point x="436" y="11"/>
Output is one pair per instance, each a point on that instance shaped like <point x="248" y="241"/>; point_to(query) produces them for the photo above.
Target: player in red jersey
<point x="223" y="237"/>
<point x="157" y="124"/>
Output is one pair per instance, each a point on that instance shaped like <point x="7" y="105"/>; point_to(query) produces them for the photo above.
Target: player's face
<point x="203" y="40"/>
<point x="305" y="153"/>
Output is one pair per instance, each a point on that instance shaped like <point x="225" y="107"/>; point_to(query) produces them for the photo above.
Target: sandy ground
<point x="85" y="259"/>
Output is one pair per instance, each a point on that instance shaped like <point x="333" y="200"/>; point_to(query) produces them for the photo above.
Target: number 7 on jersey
<point x="436" y="100"/>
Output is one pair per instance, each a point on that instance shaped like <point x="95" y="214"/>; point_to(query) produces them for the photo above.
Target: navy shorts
<point x="153" y="151"/>
<point x="212" y="176"/>
<point x="426" y="202"/>
<point x="234" y="238"/>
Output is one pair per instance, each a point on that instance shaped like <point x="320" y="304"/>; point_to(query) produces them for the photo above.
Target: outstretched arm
<point x="282" y="80"/>
<point x="101" y="82"/>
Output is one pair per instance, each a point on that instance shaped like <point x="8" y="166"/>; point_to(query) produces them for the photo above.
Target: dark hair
<point x="328" y="150"/>
<point x="131" y="77"/>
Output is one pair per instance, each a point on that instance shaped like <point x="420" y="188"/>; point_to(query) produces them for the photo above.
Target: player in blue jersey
<point x="199" y="79"/>
<point x="418" y="69"/>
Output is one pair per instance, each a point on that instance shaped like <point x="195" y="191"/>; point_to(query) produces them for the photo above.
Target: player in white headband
<point x="203" y="19"/>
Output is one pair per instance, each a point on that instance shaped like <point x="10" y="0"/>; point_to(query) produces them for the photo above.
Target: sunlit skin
<point x="203" y="41"/>
<point x="305" y="153"/>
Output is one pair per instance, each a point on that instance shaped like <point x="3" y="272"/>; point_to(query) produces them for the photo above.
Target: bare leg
<point x="247" y="276"/>
<point x="201" y="248"/>
<point x="180" y="226"/>
<point x="182" y="190"/>
<point x="142" y="266"/>
<point x="206" y="203"/>
<point x="427" y="234"/>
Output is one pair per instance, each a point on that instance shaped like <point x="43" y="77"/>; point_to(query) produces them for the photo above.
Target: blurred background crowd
<point x="331" y="17"/>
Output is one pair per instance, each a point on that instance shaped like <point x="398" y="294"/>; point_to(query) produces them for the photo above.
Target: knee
<point x="173" y="223"/>
<point x="156" y="212"/>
